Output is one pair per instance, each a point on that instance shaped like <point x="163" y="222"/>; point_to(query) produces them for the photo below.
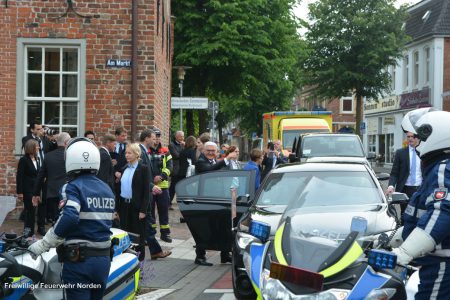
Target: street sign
<point x="189" y="103"/>
<point x="212" y="125"/>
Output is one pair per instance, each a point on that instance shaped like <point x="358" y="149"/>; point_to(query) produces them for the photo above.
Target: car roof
<point x="319" y="166"/>
<point x="313" y="134"/>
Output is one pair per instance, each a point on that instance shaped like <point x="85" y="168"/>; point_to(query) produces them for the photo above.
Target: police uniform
<point x="429" y="210"/>
<point x="161" y="162"/>
<point x="86" y="219"/>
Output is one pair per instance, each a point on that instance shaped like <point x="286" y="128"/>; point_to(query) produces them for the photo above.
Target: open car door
<point x="205" y="203"/>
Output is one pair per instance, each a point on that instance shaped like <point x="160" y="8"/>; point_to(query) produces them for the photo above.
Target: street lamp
<point x="181" y="71"/>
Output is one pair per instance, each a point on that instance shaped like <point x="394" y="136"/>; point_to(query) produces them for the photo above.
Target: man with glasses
<point x="207" y="162"/>
<point x="406" y="173"/>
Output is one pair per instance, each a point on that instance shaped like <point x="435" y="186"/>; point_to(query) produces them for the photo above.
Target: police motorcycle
<point x="341" y="259"/>
<point x="23" y="276"/>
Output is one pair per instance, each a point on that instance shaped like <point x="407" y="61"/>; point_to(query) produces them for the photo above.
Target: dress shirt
<point x="414" y="179"/>
<point x="126" y="181"/>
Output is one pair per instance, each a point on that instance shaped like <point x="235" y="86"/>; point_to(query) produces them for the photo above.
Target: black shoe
<point x="202" y="262"/>
<point x="225" y="259"/>
<point x="41" y="231"/>
<point x="166" y="238"/>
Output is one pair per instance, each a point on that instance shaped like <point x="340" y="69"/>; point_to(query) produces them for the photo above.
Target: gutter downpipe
<point x="134" y="65"/>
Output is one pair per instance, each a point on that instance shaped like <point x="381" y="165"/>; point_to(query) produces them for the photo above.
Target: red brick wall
<point x="108" y="90"/>
<point x="446" y="87"/>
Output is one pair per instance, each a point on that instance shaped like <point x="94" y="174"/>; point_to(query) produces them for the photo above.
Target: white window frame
<point x="406" y="72"/>
<point x="427" y="64"/>
<point x="393" y="74"/>
<point x="342" y="104"/>
<point x="21" y="86"/>
<point x="416" y="70"/>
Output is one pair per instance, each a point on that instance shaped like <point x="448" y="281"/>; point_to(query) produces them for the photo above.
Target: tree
<point x="243" y="53"/>
<point x="350" y="44"/>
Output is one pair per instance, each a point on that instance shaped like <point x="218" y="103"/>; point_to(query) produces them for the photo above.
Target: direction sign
<point x="189" y="103"/>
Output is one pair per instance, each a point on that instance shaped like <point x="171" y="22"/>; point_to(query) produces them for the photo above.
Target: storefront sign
<point x="118" y="63"/>
<point x="372" y="126"/>
<point x="415" y="99"/>
<point x="389" y="120"/>
<point x="385" y="104"/>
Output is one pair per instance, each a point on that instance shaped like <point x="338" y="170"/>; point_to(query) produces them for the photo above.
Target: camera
<point x="50" y="131"/>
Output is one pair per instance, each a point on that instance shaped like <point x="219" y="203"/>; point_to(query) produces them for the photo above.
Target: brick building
<point x="82" y="65"/>
<point x="343" y="109"/>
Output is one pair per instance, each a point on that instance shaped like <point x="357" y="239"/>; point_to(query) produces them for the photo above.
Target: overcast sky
<point x="302" y="10"/>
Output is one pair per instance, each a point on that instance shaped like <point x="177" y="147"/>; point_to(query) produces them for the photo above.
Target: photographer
<point x="270" y="160"/>
<point x="51" y="134"/>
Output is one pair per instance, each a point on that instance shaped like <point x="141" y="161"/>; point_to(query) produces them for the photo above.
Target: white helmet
<point x="433" y="131"/>
<point x="413" y="116"/>
<point x="82" y="155"/>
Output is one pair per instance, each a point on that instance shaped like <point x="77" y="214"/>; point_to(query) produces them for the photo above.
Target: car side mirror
<point x="398" y="198"/>
<point x="383" y="176"/>
<point x="243" y="199"/>
<point x="371" y="156"/>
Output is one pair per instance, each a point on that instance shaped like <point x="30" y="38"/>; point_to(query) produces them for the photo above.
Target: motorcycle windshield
<point x="324" y="214"/>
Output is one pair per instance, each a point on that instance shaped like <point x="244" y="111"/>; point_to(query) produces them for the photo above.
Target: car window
<point x="220" y="187"/>
<point x="320" y="146"/>
<point x="307" y="189"/>
<point x="280" y="189"/>
<point x="188" y="187"/>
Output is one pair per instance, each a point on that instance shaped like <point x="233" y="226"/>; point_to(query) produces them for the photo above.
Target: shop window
<point x="372" y="141"/>
<point x="389" y="156"/>
<point x="52" y="86"/>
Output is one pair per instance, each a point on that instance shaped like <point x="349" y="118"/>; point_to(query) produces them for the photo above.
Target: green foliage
<point x="243" y="53"/>
<point x="350" y="45"/>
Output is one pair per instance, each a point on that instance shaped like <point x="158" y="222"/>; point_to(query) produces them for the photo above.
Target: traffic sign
<point x="189" y="103"/>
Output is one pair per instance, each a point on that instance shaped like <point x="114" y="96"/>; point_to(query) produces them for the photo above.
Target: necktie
<point x="413" y="167"/>
<point x="41" y="149"/>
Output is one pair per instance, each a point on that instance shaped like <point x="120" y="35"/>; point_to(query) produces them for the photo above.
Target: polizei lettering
<point x="97" y="202"/>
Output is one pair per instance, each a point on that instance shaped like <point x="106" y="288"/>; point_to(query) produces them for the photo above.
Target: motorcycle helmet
<point x="433" y="132"/>
<point x="412" y="117"/>
<point x="82" y="156"/>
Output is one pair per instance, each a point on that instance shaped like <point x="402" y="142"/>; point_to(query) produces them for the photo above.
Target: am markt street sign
<point x="189" y="103"/>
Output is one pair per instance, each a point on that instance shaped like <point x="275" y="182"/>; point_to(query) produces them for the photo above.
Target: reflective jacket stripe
<point x="74" y="204"/>
<point x="96" y="216"/>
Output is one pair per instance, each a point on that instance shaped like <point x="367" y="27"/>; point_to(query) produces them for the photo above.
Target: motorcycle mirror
<point x="383" y="176"/>
<point x="13" y="269"/>
<point x="359" y="224"/>
<point x="398" y="198"/>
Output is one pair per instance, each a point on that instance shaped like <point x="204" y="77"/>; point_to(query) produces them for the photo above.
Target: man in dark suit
<point x="406" y="175"/>
<point x="271" y="159"/>
<point x="106" y="170"/>
<point x="175" y="149"/>
<point x="206" y="163"/>
<point x="146" y="138"/>
<point x="118" y="157"/>
<point x="37" y="133"/>
<point x="53" y="173"/>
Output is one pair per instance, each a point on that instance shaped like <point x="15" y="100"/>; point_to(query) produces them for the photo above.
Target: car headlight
<point x="381" y="294"/>
<point x="243" y="239"/>
<point x="274" y="289"/>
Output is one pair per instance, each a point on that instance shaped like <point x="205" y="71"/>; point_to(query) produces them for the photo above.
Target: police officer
<point x="161" y="162"/>
<point x="83" y="230"/>
<point x="426" y="231"/>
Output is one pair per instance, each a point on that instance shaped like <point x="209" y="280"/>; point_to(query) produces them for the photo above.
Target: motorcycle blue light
<point x="381" y="259"/>
<point x="260" y="230"/>
<point x="2" y="246"/>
